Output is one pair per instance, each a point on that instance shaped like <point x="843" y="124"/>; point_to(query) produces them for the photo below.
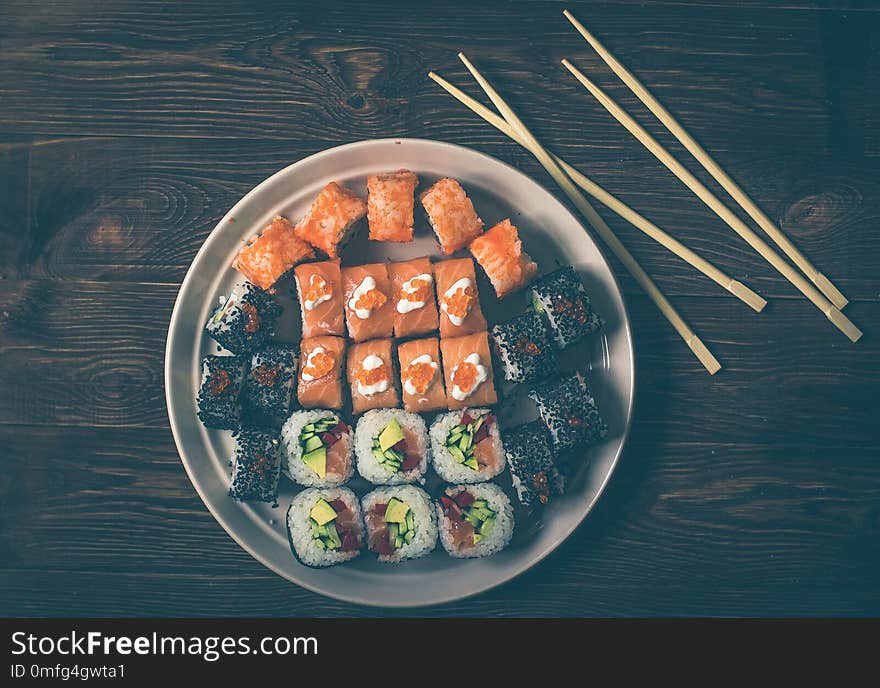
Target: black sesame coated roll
<point x="256" y="466"/>
<point x="270" y="385"/>
<point x="569" y="411"/>
<point x="532" y="467"/>
<point x="523" y="348"/>
<point x="245" y="320"/>
<point x="218" y="399"/>
<point x="561" y="299"/>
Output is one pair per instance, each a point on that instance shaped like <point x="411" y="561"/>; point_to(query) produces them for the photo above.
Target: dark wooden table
<point x="127" y="129"/>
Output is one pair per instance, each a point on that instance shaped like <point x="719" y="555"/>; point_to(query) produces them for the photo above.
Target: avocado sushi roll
<point x="532" y="467"/>
<point x="270" y="385"/>
<point x="316" y="448"/>
<point x="474" y="520"/>
<point x="325" y="526"/>
<point x="220" y="391"/>
<point x="391" y="447"/>
<point x="522" y="346"/>
<point x="255" y="467"/>
<point x="562" y="301"/>
<point x="569" y="412"/>
<point x="466" y="446"/>
<point x="245" y="320"/>
<point x="401" y="523"/>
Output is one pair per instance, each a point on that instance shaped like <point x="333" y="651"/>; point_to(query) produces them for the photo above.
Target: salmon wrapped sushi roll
<point x="499" y="252"/>
<point x="415" y="308"/>
<point x="270" y="254"/>
<point x="421" y="378"/>
<point x="369" y="309"/>
<point x="451" y="215"/>
<point x="330" y="222"/>
<point x="319" y="286"/>
<point x="458" y="298"/>
<point x="371" y="376"/>
<point x="320" y="372"/>
<point x="467" y="367"/>
<point x="390" y="200"/>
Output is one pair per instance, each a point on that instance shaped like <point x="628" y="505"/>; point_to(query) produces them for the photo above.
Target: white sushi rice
<point x="501" y="532"/>
<point x="424" y="520"/>
<point x="291" y="453"/>
<point x="299" y="529"/>
<point x="369" y="426"/>
<point x="444" y="462"/>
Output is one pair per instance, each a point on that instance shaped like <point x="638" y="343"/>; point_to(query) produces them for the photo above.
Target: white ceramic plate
<point x="550" y="233"/>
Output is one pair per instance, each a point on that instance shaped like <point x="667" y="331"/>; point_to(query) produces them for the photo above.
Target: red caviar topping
<point x="371" y="376"/>
<point x="371" y="300"/>
<point x="465" y="376"/>
<point x="218" y="382"/>
<point x="251" y="317"/>
<point x="317" y="288"/>
<point x="420" y="376"/>
<point x="319" y="365"/>
<point x="459" y="302"/>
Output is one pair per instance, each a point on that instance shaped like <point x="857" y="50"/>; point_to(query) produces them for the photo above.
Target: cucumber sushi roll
<point x="561" y="299"/>
<point x="532" y="468"/>
<point x="245" y="320"/>
<point x="522" y="345"/>
<point x="325" y="526"/>
<point x="220" y="391"/>
<point x="474" y="520"/>
<point x="256" y="467"/>
<point x="466" y="446"/>
<point x="270" y="385"/>
<point x="569" y="411"/>
<point x="391" y="447"/>
<point x="316" y="449"/>
<point x="401" y="523"/>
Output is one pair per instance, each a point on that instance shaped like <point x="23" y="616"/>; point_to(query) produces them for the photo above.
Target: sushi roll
<point x="415" y="307"/>
<point x="371" y="376"/>
<point x="256" y="466"/>
<point x="466" y="446"/>
<point x="451" y="215"/>
<point x="401" y="523"/>
<point x="316" y="449"/>
<point x="319" y="286"/>
<point x="270" y="385"/>
<point x="369" y="309"/>
<point x="421" y="379"/>
<point x="220" y="391"/>
<point x="270" y="254"/>
<point x="467" y="369"/>
<point x="320" y="372"/>
<point x="330" y="222"/>
<point x="391" y="447"/>
<point x="245" y="320"/>
<point x="459" y="300"/>
<point x="562" y="301"/>
<point x="532" y="467"/>
<point x="522" y="345"/>
<point x="569" y="411"/>
<point x="474" y="520"/>
<point x="499" y="252"/>
<point x="390" y="200"/>
<point x="325" y="526"/>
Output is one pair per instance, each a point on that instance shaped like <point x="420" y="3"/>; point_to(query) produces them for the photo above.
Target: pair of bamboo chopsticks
<point x="827" y="298"/>
<point x="514" y="127"/>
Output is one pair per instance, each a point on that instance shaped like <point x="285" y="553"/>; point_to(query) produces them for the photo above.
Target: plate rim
<point x="171" y="335"/>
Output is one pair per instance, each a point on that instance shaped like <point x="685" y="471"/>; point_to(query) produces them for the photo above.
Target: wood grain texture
<point x="128" y="129"/>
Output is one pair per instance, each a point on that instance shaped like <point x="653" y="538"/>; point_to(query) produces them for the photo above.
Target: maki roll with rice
<point x="219" y="393"/>
<point x="466" y="446"/>
<point x="474" y="520"/>
<point x="532" y="468"/>
<point x="255" y="468"/>
<point x="270" y="384"/>
<point x="391" y="447"/>
<point x="569" y="412"/>
<point x="325" y="526"/>
<point x="562" y="301"/>
<point x="401" y="523"/>
<point x="522" y="345"/>
<point x="245" y="320"/>
<point x="316" y="448"/>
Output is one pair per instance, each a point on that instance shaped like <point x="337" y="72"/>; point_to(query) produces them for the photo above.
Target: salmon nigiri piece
<point x="319" y="286"/>
<point x="467" y="368"/>
<point x="371" y="376"/>
<point x="458" y="298"/>
<point x="368" y="303"/>
<point x="412" y="289"/>
<point x="499" y="252"/>
<point x="329" y="224"/>
<point x="390" y="205"/>
<point x="267" y="256"/>
<point x="320" y="372"/>
<point x="451" y="214"/>
<point x="421" y="377"/>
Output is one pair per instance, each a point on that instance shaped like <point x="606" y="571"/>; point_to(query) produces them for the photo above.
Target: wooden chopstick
<point x="691" y="339"/>
<point x="831" y="311"/>
<point x="735" y="287"/>
<point x="712" y="167"/>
